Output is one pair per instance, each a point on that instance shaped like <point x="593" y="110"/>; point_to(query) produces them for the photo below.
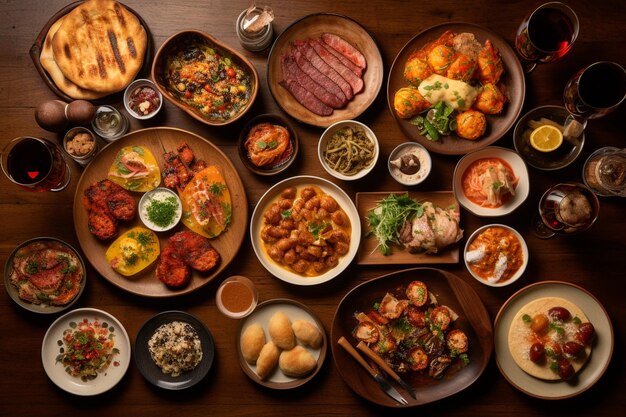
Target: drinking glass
<point x="595" y="91"/>
<point x="566" y="208"/>
<point x="35" y="164"/>
<point x="546" y="34"/>
<point x="605" y="172"/>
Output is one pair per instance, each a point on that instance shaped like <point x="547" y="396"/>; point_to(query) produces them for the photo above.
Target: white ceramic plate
<point x="74" y="385"/>
<point x="257" y="223"/>
<point x="602" y="348"/>
<point x="262" y="315"/>
<point x="519" y="168"/>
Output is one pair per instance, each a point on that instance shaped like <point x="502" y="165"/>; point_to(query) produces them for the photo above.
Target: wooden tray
<point x="35" y="50"/>
<point x="155" y="139"/>
<point x="369" y="254"/>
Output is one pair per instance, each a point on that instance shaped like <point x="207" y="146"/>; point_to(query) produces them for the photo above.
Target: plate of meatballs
<point x="109" y="226"/>
<point x="456" y="88"/>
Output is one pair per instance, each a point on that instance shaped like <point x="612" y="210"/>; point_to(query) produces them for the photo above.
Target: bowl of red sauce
<point x="496" y="255"/>
<point x="237" y="297"/>
<point x="142" y="99"/>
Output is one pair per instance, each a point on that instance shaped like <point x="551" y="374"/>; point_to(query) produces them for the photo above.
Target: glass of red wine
<point x="546" y="34"/>
<point x="565" y="209"/>
<point x="595" y="91"/>
<point x="35" y="164"/>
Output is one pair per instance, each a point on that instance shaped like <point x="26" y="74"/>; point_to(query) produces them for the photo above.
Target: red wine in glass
<point x="566" y="209"/>
<point x="35" y="164"/>
<point x="546" y="34"/>
<point x="595" y="90"/>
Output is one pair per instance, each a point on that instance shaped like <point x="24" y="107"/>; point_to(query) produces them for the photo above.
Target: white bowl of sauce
<point x="496" y="255"/>
<point x="409" y="163"/>
<point x="237" y="297"/>
<point x="160" y="209"/>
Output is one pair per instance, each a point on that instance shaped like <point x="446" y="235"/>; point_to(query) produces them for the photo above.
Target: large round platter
<point x="156" y="139"/>
<point x="597" y="363"/>
<point x="152" y="372"/>
<point x="451" y="291"/>
<point x="35" y="50"/>
<point x="312" y="26"/>
<point x="262" y="315"/>
<point x="56" y="370"/>
<point x="42" y="308"/>
<point x="257" y="222"/>
<point x="512" y="80"/>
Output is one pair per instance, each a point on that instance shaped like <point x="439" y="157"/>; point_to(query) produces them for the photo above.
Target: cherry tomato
<point x="230" y="72"/>
<point x="585" y="333"/>
<point x="537" y="352"/>
<point x="553" y="349"/>
<point x="188" y="94"/>
<point x="559" y="313"/>
<point x="539" y="323"/>
<point x="572" y="349"/>
<point x="565" y="369"/>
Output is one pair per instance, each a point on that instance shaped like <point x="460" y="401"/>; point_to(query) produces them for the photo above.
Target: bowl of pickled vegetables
<point x="348" y="150"/>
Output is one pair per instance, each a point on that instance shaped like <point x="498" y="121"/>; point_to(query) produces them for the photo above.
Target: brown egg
<point x="50" y="115"/>
<point x="80" y="112"/>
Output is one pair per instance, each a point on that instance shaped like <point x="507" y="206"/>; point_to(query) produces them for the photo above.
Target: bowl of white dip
<point x="409" y="163"/>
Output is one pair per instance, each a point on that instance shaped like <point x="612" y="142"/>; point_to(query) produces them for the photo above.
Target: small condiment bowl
<point x="70" y="135"/>
<point x="328" y="134"/>
<point x="402" y="149"/>
<point x="237" y="297"/>
<point x="274" y="169"/>
<point x="142" y="83"/>
<point x="148" y="198"/>
<point x="516" y="275"/>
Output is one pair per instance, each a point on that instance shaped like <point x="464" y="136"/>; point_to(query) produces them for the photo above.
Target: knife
<point x="380" y="362"/>
<point x="384" y="385"/>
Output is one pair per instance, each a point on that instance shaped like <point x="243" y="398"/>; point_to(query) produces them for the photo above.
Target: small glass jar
<point x="254" y="41"/>
<point x="80" y="144"/>
<point x="109" y="123"/>
<point x="605" y="172"/>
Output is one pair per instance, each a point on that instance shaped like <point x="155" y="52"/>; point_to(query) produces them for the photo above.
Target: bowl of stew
<point x="205" y="78"/>
<point x="496" y="255"/>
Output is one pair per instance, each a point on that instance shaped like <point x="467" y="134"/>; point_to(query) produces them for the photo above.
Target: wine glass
<point x="546" y="34"/>
<point x="35" y="164"/>
<point x="564" y="209"/>
<point x="594" y="91"/>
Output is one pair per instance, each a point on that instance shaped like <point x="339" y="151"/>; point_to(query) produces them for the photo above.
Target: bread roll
<point x="296" y="362"/>
<point x="252" y="341"/>
<point x="281" y="332"/>
<point x="268" y="358"/>
<point x="307" y="333"/>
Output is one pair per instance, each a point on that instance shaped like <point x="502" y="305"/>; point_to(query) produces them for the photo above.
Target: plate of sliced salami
<point x="324" y="68"/>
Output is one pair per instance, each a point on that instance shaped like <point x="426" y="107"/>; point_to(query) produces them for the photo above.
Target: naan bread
<point x="521" y="337"/>
<point x="100" y="46"/>
<point x="49" y="64"/>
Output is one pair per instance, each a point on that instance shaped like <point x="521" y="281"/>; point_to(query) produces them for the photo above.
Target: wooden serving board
<point x="369" y="254"/>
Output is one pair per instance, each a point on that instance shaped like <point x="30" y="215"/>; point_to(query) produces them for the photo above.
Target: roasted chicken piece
<point x="490" y="66"/>
<point x="107" y="203"/>
<point x="435" y="229"/>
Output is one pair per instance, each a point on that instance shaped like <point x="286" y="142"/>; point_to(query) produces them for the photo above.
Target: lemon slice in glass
<point x="546" y="138"/>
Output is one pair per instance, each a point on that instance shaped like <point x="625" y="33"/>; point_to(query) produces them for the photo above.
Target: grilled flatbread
<point x="521" y="337"/>
<point x="100" y="46"/>
<point x="49" y="64"/>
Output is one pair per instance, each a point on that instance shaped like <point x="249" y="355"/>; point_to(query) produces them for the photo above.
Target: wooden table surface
<point x="593" y="260"/>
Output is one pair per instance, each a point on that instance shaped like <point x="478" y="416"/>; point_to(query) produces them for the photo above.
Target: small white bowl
<point x="516" y="275"/>
<point x="330" y="131"/>
<point x="425" y="163"/>
<point x="516" y="163"/>
<point x="160" y="194"/>
<point x="141" y="83"/>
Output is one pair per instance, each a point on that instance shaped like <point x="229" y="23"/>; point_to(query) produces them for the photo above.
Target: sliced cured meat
<point x="306" y="98"/>
<point x="358" y="71"/>
<point x="356" y="83"/>
<point x="345" y="48"/>
<point x="292" y="71"/>
<point x="306" y="66"/>
<point x="310" y="54"/>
